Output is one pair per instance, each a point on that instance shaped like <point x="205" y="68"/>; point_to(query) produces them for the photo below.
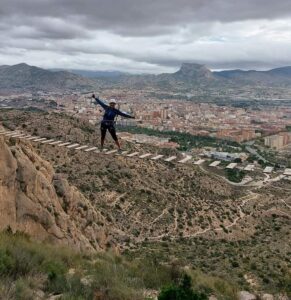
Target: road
<point x="254" y="152"/>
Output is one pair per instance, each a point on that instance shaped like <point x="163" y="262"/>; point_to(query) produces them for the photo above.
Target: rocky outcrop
<point x="244" y="295"/>
<point x="194" y="71"/>
<point x="267" y="297"/>
<point x="35" y="200"/>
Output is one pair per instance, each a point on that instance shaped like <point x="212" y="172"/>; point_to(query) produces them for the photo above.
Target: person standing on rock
<point x="108" y="121"/>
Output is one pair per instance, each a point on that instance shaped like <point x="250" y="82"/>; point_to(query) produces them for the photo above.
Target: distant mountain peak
<point x="187" y="65"/>
<point x="191" y="70"/>
<point x="23" y="76"/>
<point x="22" y="65"/>
<point x="283" y="71"/>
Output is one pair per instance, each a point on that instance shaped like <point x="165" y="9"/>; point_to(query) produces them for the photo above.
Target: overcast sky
<point x="145" y="36"/>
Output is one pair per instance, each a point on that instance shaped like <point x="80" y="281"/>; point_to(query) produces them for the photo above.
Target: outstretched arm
<point x="124" y="114"/>
<point x="101" y="103"/>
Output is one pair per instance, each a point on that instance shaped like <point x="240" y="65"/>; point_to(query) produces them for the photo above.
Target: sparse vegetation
<point x="160" y="208"/>
<point x="182" y="291"/>
<point x="235" y="175"/>
<point x="28" y="268"/>
<point x="185" y="140"/>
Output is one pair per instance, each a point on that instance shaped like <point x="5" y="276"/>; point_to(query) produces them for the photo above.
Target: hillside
<point x="164" y="211"/>
<point x="41" y="271"/>
<point x="190" y="76"/>
<point x="23" y="76"/>
<point x="130" y="194"/>
<point x="96" y="74"/>
<point x="278" y="76"/>
<point x="198" y="79"/>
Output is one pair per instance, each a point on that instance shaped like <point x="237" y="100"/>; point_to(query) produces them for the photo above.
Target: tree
<point x="182" y="291"/>
<point x="238" y="160"/>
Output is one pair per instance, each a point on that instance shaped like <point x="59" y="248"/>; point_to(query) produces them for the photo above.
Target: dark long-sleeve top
<point x="111" y="113"/>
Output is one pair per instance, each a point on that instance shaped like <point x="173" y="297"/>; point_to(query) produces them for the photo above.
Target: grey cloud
<point x="145" y="35"/>
<point x="45" y="28"/>
<point x="139" y="17"/>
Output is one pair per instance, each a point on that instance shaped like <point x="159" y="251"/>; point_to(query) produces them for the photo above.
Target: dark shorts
<point x="110" y="127"/>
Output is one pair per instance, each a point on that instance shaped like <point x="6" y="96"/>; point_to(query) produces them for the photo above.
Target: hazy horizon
<point x="139" y="73"/>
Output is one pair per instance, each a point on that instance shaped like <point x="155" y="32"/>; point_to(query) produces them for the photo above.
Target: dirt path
<point x="176" y="217"/>
<point x="241" y="216"/>
<point x="245" y="200"/>
<point x="165" y="210"/>
<point x="279" y="211"/>
<point x="289" y="206"/>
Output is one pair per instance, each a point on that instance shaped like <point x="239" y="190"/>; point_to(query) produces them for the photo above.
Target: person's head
<point x="112" y="103"/>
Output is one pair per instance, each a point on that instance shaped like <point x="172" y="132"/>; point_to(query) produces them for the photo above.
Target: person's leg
<point x="112" y="131"/>
<point x="118" y="144"/>
<point x="103" y="129"/>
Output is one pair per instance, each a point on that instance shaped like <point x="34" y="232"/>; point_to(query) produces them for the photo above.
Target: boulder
<point x="244" y="295"/>
<point x="283" y="297"/>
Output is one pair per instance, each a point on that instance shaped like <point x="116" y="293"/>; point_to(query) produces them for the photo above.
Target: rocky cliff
<point x="34" y="200"/>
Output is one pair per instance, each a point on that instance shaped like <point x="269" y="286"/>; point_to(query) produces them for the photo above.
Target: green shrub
<point x="28" y="266"/>
<point x="6" y="262"/>
<point x="54" y="269"/>
<point x="182" y="291"/>
<point x="235" y="175"/>
<point x="22" y="290"/>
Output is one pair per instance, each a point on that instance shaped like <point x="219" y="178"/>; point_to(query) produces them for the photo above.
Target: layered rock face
<point x="35" y="200"/>
<point x="194" y="71"/>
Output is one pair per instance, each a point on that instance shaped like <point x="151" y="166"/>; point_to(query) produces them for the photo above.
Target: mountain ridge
<point x="277" y="75"/>
<point x="190" y="75"/>
<point x="24" y="76"/>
